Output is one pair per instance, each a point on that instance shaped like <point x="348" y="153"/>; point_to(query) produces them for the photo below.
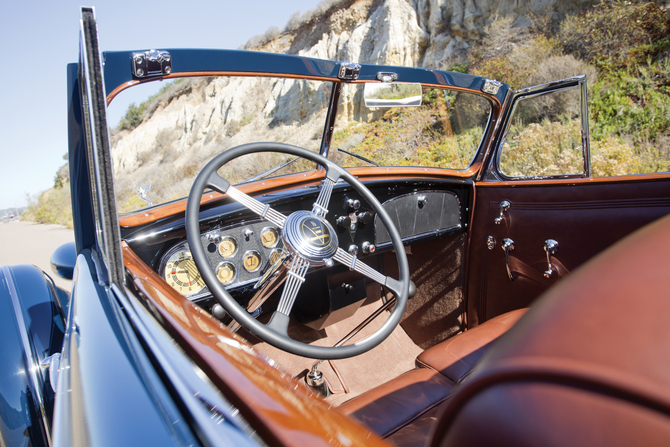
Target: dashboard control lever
<point x="504" y="206"/>
<point x="507" y="246"/>
<point x="551" y="247"/>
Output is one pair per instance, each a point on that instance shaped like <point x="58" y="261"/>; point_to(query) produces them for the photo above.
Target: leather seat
<point x="455" y="357"/>
<point x="406" y="407"/>
<point x="587" y="366"/>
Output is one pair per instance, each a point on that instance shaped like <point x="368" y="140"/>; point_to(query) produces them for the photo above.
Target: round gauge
<point x="274" y="256"/>
<point x="182" y="274"/>
<point x="251" y="261"/>
<point x="269" y="237"/>
<point x="226" y="273"/>
<point x="227" y="247"/>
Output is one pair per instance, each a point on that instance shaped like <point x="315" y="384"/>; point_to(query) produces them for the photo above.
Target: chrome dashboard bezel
<point x="164" y="260"/>
<point x="265" y="253"/>
<point x="218" y="266"/>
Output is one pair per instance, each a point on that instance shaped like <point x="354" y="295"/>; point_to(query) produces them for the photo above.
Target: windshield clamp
<point x="387" y="76"/>
<point x="349" y="71"/>
<point x="491" y="86"/>
<point x="152" y="63"/>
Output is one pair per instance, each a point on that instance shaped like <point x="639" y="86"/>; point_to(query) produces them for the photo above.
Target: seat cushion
<point x="396" y="403"/>
<point x="455" y="358"/>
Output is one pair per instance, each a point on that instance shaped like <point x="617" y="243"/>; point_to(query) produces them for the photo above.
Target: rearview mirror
<point x="396" y="94"/>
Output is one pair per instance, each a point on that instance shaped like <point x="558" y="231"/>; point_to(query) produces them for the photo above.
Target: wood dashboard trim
<point x="282" y="410"/>
<point x="301" y="179"/>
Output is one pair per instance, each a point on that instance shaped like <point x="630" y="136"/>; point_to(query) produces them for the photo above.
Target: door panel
<point x="583" y="216"/>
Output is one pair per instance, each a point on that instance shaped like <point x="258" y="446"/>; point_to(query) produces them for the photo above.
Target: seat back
<point x="589" y="364"/>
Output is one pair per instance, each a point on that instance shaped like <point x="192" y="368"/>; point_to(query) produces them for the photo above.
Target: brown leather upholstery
<point x="589" y="364"/>
<point x="407" y="406"/>
<point x="399" y="401"/>
<point x="417" y="432"/>
<point x="456" y="357"/>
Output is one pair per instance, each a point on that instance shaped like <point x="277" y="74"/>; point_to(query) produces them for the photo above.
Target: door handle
<point x="551" y="248"/>
<point x="504" y="206"/>
<point x="508" y="245"/>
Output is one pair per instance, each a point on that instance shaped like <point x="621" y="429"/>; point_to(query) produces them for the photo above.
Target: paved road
<point x="31" y="243"/>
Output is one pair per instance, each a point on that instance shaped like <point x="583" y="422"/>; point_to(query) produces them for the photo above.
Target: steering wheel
<point x="310" y="240"/>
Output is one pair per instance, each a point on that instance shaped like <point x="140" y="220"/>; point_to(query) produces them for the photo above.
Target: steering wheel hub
<point x="310" y="236"/>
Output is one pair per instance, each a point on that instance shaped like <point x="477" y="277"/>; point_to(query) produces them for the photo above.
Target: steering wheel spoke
<point x="295" y="278"/>
<point x="320" y="207"/>
<point x="361" y="267"/>
<point x="257" y="207"/>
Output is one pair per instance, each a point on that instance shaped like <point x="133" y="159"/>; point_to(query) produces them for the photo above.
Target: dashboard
<point x="240" y="247"/>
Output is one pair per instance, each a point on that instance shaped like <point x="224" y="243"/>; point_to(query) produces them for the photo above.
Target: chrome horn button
<point x="310" y="236"/>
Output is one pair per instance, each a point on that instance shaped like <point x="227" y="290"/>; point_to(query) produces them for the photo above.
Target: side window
<point x="544" y="137"/>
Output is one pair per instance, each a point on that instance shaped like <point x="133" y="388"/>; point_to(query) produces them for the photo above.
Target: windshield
<point x="161" y="143"/>
<point x="444" y="131"/>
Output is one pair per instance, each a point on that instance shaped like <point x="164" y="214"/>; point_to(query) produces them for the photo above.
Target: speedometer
<point x="182" y="274"/>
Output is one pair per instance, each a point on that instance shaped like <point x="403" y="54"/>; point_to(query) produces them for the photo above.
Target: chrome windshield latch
<point x="491" y="86"/>
<point x="387" y="76"/>
<point x="152" y="63"/>
<point x="349" y="71"/>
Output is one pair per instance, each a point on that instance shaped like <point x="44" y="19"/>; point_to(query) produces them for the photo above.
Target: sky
<point x="39" y="38"/>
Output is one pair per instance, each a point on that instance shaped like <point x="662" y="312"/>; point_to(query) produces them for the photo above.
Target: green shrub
<point x="51" y="207"/>
<point x="616" y="33"/>
<point x="518" y="66"/>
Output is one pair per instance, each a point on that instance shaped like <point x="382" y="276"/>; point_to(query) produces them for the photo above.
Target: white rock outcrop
<point x="209" y="116"/>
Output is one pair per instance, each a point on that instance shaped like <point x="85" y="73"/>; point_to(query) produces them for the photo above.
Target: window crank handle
<point x="551" y="247"/>
<point x="508" y="245"/>
<point x="504" y="206"/>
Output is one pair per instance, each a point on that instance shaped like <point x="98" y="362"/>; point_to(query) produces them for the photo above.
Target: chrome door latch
<point x="551" y="248"/>
<point x="508" y="245"/>
<point x="504" y="206"/>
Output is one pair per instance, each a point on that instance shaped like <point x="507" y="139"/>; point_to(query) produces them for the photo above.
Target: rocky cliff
<point x="427" y="33"/>
<point x="199" y="118"/>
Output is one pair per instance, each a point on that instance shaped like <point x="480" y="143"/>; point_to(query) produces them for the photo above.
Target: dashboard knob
<point x="213" y="237"/>
<point x="344" y="221"/>
<point x="367" y="247"/>
<point x="352" y="203"/>
<point x="364" y="217"/>
<point x="353" y="249"/>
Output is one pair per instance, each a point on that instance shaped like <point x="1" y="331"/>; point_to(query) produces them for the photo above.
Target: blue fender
<point x="32" y="325"/>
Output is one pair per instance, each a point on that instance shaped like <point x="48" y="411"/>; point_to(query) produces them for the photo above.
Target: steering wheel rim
<point x="208" y="178"/>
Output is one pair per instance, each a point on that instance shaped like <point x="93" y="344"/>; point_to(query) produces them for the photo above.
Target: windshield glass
<point x="445" y="130"/>
<point x="166" y="140"/>
<point x="160" y="144"/>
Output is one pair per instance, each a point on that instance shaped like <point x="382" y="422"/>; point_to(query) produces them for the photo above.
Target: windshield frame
<point x="198" y="63"/>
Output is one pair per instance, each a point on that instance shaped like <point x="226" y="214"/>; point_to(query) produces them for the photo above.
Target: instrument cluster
<point x="238" y="254"/>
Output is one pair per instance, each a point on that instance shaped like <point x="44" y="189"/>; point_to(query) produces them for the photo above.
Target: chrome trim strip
<point x="586" y="139"/>
<point x="31" y="362"/>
